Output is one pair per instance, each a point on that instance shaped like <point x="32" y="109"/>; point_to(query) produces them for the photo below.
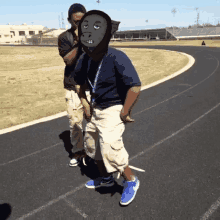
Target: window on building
<point x="40" y="32"/>
<point x="31" y="32"/>
<point x="0" y="36"/>
<point x="12" y="32"/>
<point x="21" y="33"/>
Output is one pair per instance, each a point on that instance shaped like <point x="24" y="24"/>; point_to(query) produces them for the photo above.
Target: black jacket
<point x="66" y="42"/>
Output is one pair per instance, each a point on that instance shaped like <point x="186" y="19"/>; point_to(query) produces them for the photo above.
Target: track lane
<point x="161" y="116"/>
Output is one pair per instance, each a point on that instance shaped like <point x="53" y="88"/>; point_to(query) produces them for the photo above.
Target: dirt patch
<point x="22" y="57"/>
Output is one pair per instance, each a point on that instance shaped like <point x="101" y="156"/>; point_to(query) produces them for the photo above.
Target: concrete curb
<point x="59" y="115"/>
<point x="44" y="119"/>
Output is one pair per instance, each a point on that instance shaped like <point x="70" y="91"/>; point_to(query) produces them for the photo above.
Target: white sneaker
<point x="73" y="162"/>
<point x="77" y="158"/>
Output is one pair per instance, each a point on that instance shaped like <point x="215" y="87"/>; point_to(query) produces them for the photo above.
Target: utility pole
<point x="166" y="32"/>
<point x="59" y="21"/>
<point x="174" y="11"/>
<point x="146" y="22"/>
<point x="63" y="24"/>
<point x="197" y="20"/>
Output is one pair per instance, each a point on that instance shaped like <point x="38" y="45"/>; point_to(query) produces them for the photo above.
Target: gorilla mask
<point x="95" y="30"/>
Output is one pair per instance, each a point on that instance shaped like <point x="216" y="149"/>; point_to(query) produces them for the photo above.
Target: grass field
<point x="32" y="79"/>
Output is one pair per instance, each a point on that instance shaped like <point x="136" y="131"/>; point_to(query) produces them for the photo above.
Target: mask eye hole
<point x="96" y="27"/>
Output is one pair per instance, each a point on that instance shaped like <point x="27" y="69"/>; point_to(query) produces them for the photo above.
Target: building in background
<point x="38" y="34"/>
<point x="169" y="33"/>
<point x="19" y="33"/>
<point x="54" y="32"/>
<point x="147" y="34"/>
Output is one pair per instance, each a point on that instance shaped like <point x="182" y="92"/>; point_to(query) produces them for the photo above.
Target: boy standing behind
<point x="70" y="51"/>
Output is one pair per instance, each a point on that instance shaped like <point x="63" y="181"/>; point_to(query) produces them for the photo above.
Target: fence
<point x="38" y="41"/>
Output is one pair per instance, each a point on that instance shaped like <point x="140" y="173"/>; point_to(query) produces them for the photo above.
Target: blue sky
<point x="131" y="13"/>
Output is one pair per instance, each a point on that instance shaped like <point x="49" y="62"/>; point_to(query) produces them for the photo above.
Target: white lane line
<point x="140" y="153"/>
<point x="190" y="63"/>
<point x="59" y="115"/>
<point x="133" y="168"/>
<point x="180" y="92"/>
<point x="41" y="120"/>
<point x="36" y="152"/>
<point x="185" y="68"/>
<point x="51" y="202"/>
<point x="75" y="208"/>
<point x="145" y="87"/>
<point x="211" y="210"/>
<point x="175" y="133"/>
<point x="136" y="168"/>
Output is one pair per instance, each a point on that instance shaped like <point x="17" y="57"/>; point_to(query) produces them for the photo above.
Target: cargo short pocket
<point x="117" y="145"/>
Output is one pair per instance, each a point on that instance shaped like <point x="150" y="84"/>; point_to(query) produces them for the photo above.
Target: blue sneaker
<point x="100" y="182"/>
<point x="129" y="191"/>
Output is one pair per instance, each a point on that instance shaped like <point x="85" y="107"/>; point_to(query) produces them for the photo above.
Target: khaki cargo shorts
<point x="103" y="138"/>
<point x="75" y="115"/>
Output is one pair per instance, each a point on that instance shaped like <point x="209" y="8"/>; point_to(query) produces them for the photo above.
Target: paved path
<point x="175" y="139"/>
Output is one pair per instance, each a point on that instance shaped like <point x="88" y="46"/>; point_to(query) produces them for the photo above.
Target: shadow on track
<point x="5" y="211"/>
<point x="90" y="169"/>
<point x="65" y="137"/>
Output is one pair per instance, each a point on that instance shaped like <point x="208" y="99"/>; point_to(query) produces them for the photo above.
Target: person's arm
<point x="70" y="58"/>
<point x="131" y="98"/>
<point x="80" y="89"/>
<point x="130" y="79"/>
<point x="66" y="50"/>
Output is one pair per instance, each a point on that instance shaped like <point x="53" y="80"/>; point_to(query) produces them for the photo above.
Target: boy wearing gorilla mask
<point x="114" y="86"/>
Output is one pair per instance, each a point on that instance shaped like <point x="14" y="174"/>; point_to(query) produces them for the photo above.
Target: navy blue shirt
<point x="117" y="75"/>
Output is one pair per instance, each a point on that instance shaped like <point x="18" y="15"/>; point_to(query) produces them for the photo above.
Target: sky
<point x="133" y="14"/>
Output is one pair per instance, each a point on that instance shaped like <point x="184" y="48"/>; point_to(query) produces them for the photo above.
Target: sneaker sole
<point x="74" y="165"/>
<point x="95" y="187"/>
<point x="136" y="189"/>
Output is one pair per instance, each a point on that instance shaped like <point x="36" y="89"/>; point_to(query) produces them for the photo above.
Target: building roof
<point x="21" y="27"/>
<point x="56" y="33"/>
<point x="182" y="32"/>
<point x="140" y="31"/>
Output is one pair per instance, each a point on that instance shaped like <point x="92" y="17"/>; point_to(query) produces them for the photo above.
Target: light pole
<point x="174" y="11"/>
<point x="197" y="19"/>
<point x="146" y="22"/>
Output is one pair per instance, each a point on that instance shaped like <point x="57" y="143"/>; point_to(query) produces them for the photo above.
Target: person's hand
<point x="76" y="32"/>
<point x="125" y="116"/>
<point x="87" y="111"/>
<point x="77" y="35"/>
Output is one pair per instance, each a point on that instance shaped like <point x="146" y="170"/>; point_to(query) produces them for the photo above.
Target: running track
<point x="175" y="139"/>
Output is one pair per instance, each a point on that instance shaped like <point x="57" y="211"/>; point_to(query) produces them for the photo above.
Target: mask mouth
<point x="89" y="41"/>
